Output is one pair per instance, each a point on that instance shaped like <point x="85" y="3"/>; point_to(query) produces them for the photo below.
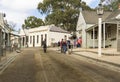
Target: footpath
<point x="7" y="59"/>
<point x="110" y="57"/>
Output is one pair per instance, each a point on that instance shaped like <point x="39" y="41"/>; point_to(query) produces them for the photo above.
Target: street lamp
<point x="100" y="13"/>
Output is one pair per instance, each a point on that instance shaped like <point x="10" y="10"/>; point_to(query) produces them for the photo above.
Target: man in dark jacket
<point x="44" y="46"/>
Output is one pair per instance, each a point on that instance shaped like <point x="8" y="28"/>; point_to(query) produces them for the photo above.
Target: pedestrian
<point x="64" y="46"/>
<point x="61" y="45"/>
<point x="44" y="46"/>
<point x="80" y="41"/>
<point x="58" y="45"/>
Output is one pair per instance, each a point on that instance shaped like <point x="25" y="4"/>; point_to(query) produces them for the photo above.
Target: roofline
<point x="111" y="22"/>
<point x="59" y="31"/>
<point x="96" y="25"/>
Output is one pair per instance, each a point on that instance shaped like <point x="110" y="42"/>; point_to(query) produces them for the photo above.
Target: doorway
<point x="33" y="41"/>
<point x="41" y="40"/>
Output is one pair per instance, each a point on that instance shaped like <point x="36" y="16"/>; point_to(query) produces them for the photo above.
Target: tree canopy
<point x="32" y="22"/>
<point x="111" y="5"/>
<point x="62" y="13"/>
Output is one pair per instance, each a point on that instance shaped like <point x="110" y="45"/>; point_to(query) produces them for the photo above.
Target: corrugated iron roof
<point x="91" y="17"/>
<point x="112" y="16"/>
<point x="57" y="29"/>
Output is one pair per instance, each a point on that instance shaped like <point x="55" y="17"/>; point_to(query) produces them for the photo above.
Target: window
<point x="46" y="37"/>
<point x="95" y="35"/>
<point x="27" y="39"/>
<point x="109" y="33"/>
<point x="41" y="39"/>
<point x="23" y="41"/>
<point x="37" y="38"/>
<point x="30" y="39"/>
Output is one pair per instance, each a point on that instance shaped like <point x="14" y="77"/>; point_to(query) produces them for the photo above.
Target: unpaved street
<point x="32" y="65"/>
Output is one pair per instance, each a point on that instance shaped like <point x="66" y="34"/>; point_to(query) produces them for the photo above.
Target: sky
<point x="18" y="10"/>
<point x="92" y="3"/>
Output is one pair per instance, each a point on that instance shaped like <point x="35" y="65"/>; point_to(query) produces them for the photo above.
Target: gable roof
<point x="112" y="16"/>
<point x="91" y="17"/>
<point x="57" y="29"/>
<point x="51" y="28"/>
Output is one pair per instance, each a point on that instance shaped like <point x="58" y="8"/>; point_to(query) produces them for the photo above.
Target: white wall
<point x="35" y="35"/>
<point x="110" y="39"/>
<point x="57" y="36"/>
<point x="52" y="37"/>
<point x="81" y="26"/>
<point x="90" y="41"/>
<point x="81" y="22"/>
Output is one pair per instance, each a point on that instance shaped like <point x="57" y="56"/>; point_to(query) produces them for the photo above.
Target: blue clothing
<point x="64" y="49"/>
<point x="64" y="45"/>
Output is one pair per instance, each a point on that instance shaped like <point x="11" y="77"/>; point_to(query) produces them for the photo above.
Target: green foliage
<point x="112" y="5"/>
<point x="32" y="22"/>
<point x="62" y="13"/>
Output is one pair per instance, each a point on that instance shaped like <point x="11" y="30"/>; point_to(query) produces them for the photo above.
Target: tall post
<point x="8" y="40"/>
<point x="2" y="15"/>
<point x="4" y="43"/>
<point x="1" y="50"/>
<point x="118" y="36"/>
<point x="100" y="12"/>
<point x="99" y="36"/>
<point x="93" y="37"/>
<point x="104" y="34"/>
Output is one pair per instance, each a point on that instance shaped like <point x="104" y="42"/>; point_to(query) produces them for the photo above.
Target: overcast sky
<point x="18" y="10"/>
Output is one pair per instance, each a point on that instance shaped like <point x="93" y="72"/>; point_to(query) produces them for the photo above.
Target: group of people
<point x="65" y="45"/>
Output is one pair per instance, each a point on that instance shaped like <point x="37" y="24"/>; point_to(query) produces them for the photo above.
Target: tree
<point x="111" y="4"/>
<point x="12" y="25"/>
<point x="62" y="13"/>
<point x="32" y="22"/>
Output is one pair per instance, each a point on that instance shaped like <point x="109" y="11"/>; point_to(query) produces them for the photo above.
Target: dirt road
<point x="32" y="65"/>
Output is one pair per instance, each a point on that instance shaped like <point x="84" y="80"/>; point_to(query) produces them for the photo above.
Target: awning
<point x="5" y="30"/>
<point x="90" y="28"/>
<point x="96" y="25"/>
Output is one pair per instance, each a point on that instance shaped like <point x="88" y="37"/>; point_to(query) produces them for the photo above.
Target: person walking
<point x="64" y="46"/>
<point x="80" y="41"/>
<point x="61" y="45"/>
<point x="44" y="46"/>
<point x="58" y="45"/>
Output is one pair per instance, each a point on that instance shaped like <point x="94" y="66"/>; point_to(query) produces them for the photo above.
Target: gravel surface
<point x="32" y="65"/>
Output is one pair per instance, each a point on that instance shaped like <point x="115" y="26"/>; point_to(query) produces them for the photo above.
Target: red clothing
<point x="79" y="41"/>
<point x="61" y="43"/>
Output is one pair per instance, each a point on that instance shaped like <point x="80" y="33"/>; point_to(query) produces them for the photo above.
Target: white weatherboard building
<point x="87" y="28"/>
<point x="34" y="37"/>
